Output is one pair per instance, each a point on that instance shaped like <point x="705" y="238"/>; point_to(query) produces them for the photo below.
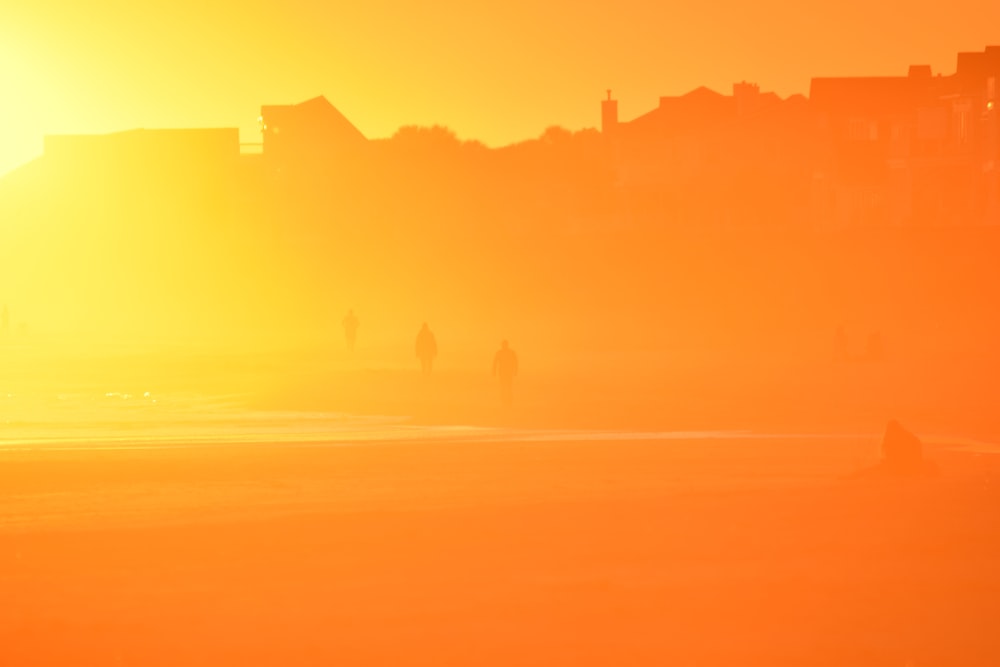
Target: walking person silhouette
<point x="350" y="329"/>
<point x="505" y="367"/>
<point x="426" y="349"/>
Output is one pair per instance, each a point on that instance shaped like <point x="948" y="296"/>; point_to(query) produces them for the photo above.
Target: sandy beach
<point x="609" y="551"/>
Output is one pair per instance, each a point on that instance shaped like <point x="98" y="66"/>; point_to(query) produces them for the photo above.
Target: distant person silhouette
<point x="426" y="349"/>
<point x="350" y="329"/>
<point x="505" y="367"/>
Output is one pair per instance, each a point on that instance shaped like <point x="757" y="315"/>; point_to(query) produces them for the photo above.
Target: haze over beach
<point x="499" y="335"/>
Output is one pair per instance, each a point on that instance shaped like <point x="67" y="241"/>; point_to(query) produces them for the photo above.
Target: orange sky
<point x="497" y="71"/>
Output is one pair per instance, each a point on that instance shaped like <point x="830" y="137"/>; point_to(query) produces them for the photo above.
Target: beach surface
<point x="497" y="547"/>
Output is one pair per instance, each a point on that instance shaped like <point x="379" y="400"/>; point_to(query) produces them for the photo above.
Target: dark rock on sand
<point x="902" y="455"/>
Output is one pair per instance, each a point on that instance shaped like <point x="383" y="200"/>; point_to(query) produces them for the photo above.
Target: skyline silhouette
<point x="566" y="110"/>
<point x="928" y="143"/>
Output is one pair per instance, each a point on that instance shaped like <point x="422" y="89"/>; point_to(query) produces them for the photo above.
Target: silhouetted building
<point x="859" y="152"/>
<point x="867" y="123"/>
<point x="705" y="157"/>
<point x="909" y="150"/>
<point x="609" y="116"/>
<point x="308" y="135"/>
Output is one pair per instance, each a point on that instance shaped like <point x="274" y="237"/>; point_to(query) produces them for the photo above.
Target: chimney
<point x="609" y="116"/>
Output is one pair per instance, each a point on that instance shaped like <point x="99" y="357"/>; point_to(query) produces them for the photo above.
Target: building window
<point x="861" y="129"/>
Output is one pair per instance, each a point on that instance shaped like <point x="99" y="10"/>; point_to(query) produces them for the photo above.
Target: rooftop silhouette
<point x="307" y="134"/>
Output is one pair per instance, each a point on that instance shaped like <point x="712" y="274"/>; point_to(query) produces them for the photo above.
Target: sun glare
<point x="29" y="100"/>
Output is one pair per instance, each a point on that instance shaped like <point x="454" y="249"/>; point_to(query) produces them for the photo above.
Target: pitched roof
<point x="700" y="93"/>
<point x="694" y="110"/>
<point x="316" y="111"/>
<point x="321" y="105"/>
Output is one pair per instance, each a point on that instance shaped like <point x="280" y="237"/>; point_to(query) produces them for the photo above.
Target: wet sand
<point x="612" y="552"/>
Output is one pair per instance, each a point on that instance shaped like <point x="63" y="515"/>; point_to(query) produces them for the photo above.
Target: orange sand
<point x="721" y="552"/>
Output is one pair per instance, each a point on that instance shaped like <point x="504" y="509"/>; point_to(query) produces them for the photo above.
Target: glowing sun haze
<point x="497" y="71"/>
